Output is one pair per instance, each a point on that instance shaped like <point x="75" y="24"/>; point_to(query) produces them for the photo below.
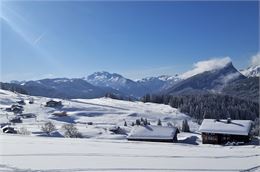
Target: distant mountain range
<point x="222" y="80"/>
<point x="62" y="88"/>
<point x="157" y="84"/>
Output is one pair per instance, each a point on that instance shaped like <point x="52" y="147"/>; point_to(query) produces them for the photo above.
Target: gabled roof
<point x="53" y="101"/>
<point x="152" y="132"/>
<point x="235" y="127"/>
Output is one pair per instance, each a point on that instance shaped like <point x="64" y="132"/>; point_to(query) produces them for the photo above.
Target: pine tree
<point x="145" y="122"/>
<point x="138" y="122"/>
<point x="159" y="122"/>
<point x="185" y="126"/>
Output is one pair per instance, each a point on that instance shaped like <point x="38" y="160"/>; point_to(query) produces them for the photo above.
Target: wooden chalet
<point x="226" y="130"/>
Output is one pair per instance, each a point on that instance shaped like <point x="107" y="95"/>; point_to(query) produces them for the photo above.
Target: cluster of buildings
<point x="212" y="132"/>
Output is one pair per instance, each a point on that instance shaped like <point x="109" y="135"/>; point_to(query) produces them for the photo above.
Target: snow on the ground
<point x="102" y="112"/>
<point x="25" y="153"/>
<point x="101" y="150"/>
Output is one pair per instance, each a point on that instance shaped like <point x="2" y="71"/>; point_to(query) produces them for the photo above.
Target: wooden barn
<point x="153" y="133"/>
<point x="226" y="130"/>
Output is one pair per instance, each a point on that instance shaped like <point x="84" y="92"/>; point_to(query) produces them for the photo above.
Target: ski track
<point x="126" y="155"/>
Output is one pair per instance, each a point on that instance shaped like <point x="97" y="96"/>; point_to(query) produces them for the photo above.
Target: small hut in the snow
<point x="153" y="133"/>
<point x="8" y="129"/>
<point x="53" y="103"/>
<point x="222" y="131"/>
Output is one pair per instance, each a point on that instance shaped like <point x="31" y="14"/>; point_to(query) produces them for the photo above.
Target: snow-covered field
<point x="101" y="150"/>
<point x="102" y="112"/>
<point x="25" y="153"/>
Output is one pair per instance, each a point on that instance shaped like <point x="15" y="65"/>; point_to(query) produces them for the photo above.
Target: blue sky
<point x="137" y="39"/>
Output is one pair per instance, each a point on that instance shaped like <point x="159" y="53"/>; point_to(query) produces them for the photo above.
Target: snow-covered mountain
<point x="117" y="82"/>
<point x="95" y="85"/>
<point x="157" y="84"/>
<point x="62" y="88"/>
<point x="129" y="87"/>
<point x="106" y="79"/>
<point x="252" y="71"/>
<point x="209" y="81"/>
<point x="210" y="75"/>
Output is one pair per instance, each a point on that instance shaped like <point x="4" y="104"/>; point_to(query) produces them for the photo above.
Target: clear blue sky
<point x="136" y="39"/>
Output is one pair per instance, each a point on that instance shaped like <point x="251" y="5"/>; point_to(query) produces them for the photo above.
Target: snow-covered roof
<point x="152" y="132"/>
<point x="235" y="127"/>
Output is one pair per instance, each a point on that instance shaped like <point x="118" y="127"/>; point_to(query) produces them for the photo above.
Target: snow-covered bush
<point x="71" y="131"/>
<point x="48" y="127"/>
<point x="24" y="131"/>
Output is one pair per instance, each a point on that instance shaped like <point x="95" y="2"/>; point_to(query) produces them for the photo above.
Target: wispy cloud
<point x="255" y="60"/>
<point x="206" y="65"/>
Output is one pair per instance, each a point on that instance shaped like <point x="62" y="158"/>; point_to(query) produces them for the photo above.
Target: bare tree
<point x="71" y="131"/>
<point x="24" y="131"/>
<point x="48" y="127"/>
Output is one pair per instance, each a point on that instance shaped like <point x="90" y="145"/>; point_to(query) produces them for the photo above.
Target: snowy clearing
<point x="25" y="153"/>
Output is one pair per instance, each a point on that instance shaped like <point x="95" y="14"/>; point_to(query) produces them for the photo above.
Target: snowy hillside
<point x="103" y="112"/>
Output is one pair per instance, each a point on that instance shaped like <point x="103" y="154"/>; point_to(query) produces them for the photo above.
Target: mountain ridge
<point x="208" y="81"/>
<point x="103" y="83"/>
